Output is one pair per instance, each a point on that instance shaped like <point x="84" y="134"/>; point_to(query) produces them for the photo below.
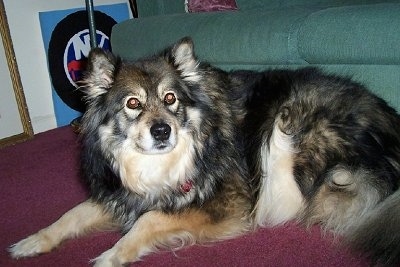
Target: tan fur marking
<point x="156" y="229"/>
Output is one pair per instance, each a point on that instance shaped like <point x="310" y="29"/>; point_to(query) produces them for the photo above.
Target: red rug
<point x="40" y="181"/>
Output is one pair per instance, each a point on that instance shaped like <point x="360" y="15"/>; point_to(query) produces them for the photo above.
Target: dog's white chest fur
<point x="153" y="174"/>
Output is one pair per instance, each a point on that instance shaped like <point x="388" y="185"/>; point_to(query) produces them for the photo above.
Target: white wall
<point x="10" y="120"/>
<point x="23" y="20"/>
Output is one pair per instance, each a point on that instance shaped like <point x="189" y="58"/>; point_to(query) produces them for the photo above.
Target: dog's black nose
<point x="160" y="131"/>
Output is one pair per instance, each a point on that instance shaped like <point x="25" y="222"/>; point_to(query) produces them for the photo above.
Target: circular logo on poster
<point x="68" y="49"/>
<point x="76" y="52"/>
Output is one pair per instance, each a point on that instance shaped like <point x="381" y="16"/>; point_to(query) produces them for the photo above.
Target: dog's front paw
<point x="30" y="246"/>
<point x="107" y="259"/>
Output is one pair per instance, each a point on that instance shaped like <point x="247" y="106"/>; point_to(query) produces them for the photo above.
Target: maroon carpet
<point x="40" y="181"/>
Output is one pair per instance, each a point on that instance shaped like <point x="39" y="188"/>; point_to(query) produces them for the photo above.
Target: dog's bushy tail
<point x="378" y="233"/>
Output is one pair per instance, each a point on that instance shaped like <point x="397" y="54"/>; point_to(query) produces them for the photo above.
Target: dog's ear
<point x="100" y="73"/>
<point x="182" y="57"/>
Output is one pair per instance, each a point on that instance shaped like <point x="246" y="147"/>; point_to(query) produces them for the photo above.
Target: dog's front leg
<point x="156" y="229"/>
<point x="77" y="221"/>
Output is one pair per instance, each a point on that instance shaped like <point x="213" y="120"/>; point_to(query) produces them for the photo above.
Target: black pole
<point x="92" y="23"/>
<point x="76" y="123"/>
<point x="133" y="6"/>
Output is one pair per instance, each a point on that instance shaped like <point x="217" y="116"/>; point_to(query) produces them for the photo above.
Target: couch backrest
<point x="147" y="8"/>
<point x="271" y="4"/>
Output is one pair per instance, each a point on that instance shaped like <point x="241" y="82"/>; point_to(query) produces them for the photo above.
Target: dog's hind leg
<point x="83" y="218"/>
<point x="155" y="230"/>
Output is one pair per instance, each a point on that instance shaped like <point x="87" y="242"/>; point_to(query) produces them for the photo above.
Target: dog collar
<point x="186" y="187"/>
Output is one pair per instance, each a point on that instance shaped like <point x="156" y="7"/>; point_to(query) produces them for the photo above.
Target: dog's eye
<point x="133" y="103"/>
<point x="169" y="99"/>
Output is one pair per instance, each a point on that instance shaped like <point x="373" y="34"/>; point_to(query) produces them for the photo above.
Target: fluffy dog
<point x="163" y="141"/>
<point x="160" y="158"/>
<point x="324" y="150"/>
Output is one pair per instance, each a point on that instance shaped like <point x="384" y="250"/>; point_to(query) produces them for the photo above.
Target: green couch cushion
<point x="148" y="8"/>
<point x="254" y="37"/>
<point x="367" y="34"/>
<point x="262" y="4"/>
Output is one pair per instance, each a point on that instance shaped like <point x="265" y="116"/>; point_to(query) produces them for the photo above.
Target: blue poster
<point x="66" y="41"/>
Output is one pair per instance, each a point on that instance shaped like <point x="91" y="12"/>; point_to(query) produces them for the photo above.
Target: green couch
<point x="350" y="37"/>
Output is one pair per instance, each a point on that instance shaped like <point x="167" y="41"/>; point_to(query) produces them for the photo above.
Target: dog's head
<point x="147" y="101"/>
<point x="142" y="115"/>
